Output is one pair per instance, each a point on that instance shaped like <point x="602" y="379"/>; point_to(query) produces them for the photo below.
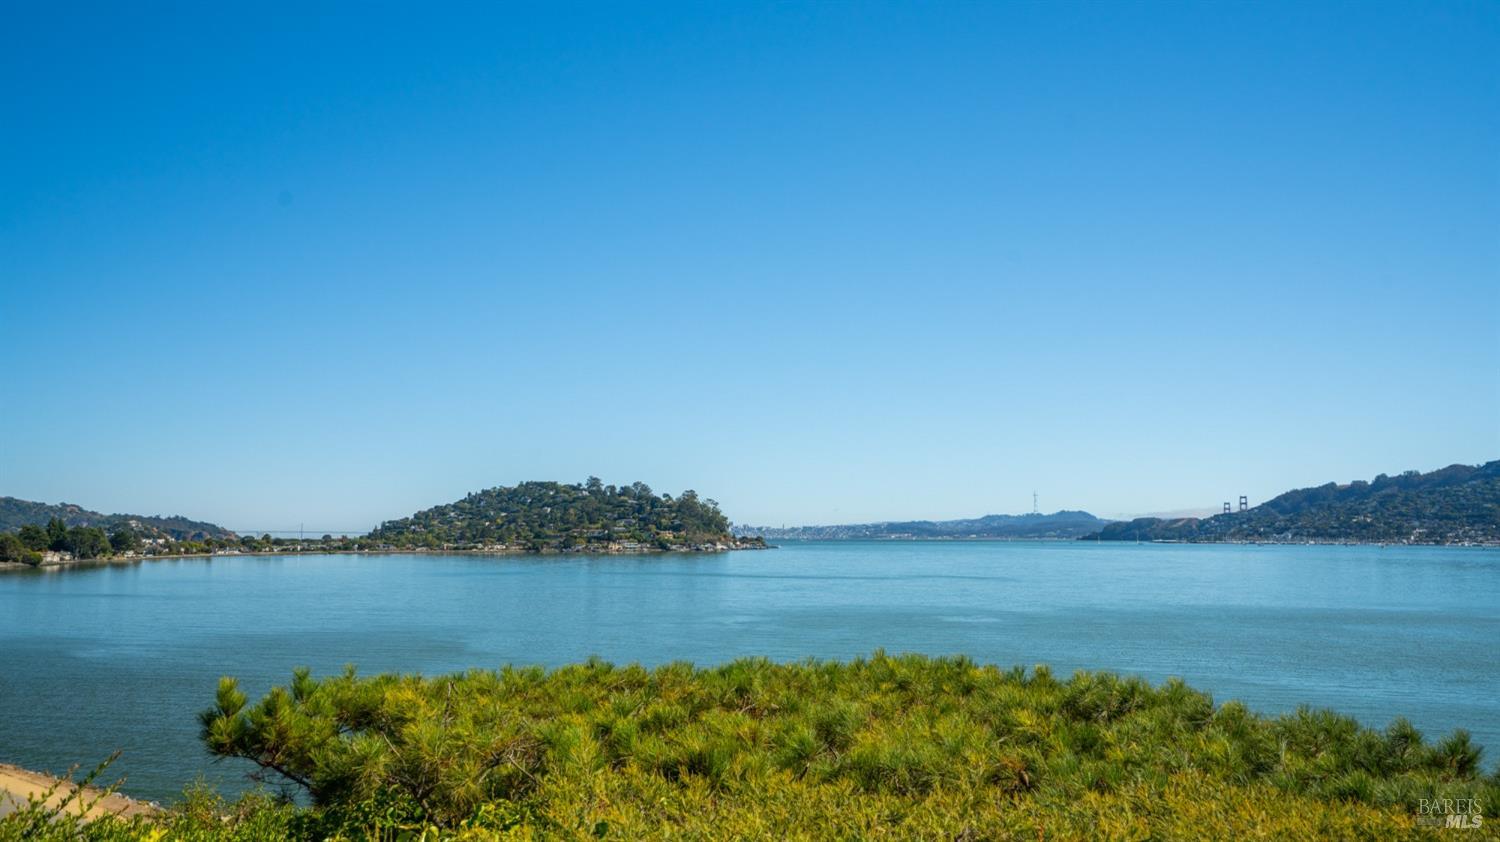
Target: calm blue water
<point x="123" y="657"/>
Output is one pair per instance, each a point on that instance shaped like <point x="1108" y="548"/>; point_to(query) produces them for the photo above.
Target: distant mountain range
<point x="16" y="513"/>
<point x="1457" y="504"/>
<point x="1064" y="524"/>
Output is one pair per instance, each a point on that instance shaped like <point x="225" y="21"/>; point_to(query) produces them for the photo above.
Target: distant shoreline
<point x="7" y="566"/>
<point x="113" y="560"/>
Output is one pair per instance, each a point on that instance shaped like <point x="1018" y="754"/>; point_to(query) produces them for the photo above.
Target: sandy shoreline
<point x="18" y="786"/>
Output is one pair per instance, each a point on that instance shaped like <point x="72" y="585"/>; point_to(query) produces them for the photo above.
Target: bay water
<point x="96" y="659"/>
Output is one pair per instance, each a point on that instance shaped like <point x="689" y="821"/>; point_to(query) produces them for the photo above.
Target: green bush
<point x="13" y="549"/>
<point x="885" y="747"/>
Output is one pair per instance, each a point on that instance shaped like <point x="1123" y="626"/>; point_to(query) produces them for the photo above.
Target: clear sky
<point x="823" y="263"/>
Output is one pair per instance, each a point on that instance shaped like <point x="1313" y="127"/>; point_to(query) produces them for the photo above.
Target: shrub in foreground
<point x="885" y="747"/>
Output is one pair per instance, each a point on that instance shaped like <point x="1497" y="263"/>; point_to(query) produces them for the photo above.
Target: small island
<point x="590" y="517"/>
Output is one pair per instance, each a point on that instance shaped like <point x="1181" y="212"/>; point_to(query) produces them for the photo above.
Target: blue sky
<point x="824" y="263"/>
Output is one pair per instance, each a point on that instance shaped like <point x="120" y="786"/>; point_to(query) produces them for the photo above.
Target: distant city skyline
<point x="824" y="263"/>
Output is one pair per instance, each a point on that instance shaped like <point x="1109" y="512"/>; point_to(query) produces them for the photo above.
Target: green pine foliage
<point x="886" y="747"/>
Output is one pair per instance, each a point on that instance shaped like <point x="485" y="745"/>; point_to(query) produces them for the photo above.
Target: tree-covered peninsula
<point x="553" y="516"/>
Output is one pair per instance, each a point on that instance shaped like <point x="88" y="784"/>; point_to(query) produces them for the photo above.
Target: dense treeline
<point x="27" y="544"/>
<point x="1458" y="504"/>
<point x="881" y="748"/>
<point x="551" y="515"/>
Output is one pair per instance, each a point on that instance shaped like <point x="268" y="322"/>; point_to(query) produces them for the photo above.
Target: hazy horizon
<point x="822" y="263"/>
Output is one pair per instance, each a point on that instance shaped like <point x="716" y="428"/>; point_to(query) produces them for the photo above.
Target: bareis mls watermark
<point x="1459" y="813"/>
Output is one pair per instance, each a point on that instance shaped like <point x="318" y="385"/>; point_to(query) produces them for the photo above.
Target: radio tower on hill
<point x="1034" y="509"/>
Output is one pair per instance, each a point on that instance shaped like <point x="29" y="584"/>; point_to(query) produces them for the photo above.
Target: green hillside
<point x="1457" y="504"/>
<point x="16" y="513"/>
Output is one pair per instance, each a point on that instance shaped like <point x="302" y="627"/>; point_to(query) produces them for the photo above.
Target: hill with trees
<point x="552" y="516"/>
<point x="1064" y="524"/>
<point x="1454" y="505"/>
<point x="16" y="513"/>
